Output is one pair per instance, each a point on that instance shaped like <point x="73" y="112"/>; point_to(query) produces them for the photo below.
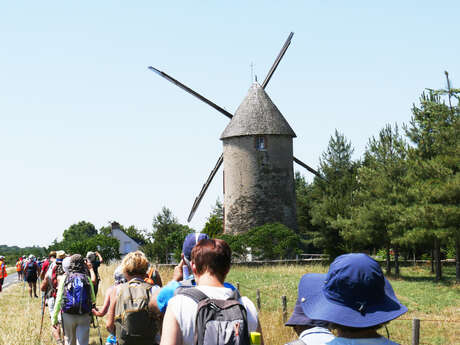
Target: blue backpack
<point x="77" y="294"/>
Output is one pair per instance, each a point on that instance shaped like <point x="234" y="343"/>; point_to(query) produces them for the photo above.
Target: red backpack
<point x="54" y="281"/>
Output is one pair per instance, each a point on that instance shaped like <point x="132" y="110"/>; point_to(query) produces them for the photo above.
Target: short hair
<point x="213" y="256"/>
<point x="135" y="263"/>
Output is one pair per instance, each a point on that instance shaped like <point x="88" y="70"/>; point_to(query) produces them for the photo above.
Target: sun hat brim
<point x="298" y="318"/>
<point x="318" y="307"/>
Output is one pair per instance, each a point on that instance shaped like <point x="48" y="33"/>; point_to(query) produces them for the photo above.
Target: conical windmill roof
<point x="257" y="115"/>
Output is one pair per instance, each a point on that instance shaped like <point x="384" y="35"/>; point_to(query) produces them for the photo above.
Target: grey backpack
<point x="135" y="324"/>
<point x="218" y="321"/>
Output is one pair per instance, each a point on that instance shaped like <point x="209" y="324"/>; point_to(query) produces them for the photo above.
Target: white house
<point x="127" y="244"/>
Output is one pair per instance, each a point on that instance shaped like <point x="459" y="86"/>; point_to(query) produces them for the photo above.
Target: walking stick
<point x="62" y="324"/>
<point x="96" y="325"/>
<point x="43" y="313"/>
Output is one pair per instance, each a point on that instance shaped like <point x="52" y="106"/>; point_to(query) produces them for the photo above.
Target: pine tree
<point x="377" y="214"/>
<point x="304" y="205"/>
<point x="434" y="131"/>
<point x="333" y="197"/>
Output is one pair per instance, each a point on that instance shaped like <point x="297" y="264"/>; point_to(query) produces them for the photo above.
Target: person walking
<point x="75" y="297"/>
<point x="95" y="258"/>
<point x="354" y="297"/>
<point x="132" y="315"/>
<point x="303" y="326"/>
<point x="19" y="268"/>
<point x="110" y="293"/>
<point x="187" y="312"/>
<point x="3" y="273"/>
<point x="49" y="286"/>
<point x="31" y="273"/>
<point x="47" y="263"/>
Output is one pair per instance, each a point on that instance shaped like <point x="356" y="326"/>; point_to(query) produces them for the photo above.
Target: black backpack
<point x="31" y="270"/>
<point x="218" y="321"/>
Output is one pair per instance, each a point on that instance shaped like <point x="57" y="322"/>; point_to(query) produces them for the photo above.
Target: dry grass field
<point x="437" y="305"/>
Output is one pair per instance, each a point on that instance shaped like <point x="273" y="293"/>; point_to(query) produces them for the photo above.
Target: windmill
<point x="258" y="160"/>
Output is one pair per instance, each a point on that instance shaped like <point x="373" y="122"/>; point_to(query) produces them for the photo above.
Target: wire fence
<point x="283" y="304"/>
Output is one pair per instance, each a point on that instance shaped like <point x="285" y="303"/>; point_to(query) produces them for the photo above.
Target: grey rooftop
<point x="257" y="115"/>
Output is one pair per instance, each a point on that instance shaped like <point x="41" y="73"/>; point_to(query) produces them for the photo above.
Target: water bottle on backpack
<point x="111" y="340"/>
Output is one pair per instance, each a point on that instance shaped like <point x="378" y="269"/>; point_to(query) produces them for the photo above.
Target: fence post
<point x="284" y="302"/>
<point x="415" y="331"/>
<point x="258" y="299"/>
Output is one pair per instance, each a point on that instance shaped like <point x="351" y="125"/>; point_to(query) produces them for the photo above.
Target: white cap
<point x="66" y="264"/>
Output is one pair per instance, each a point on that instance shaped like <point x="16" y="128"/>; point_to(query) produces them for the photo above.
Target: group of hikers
<point x="348" y="305"/>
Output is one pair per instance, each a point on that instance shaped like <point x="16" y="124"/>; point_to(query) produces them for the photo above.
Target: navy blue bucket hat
<point x="190" y="241"/>
<point x="354" y="293"/>
<point x="298" y="318"/>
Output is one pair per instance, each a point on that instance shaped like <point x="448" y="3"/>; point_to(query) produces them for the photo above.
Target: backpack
<point x="77" y="294"/>
<point x="53" y="282"/>
<point x="135" y="324"/>
<point x="152" y="277"/>
<point x="31" y="270"/>
<point x="218" y="321"/>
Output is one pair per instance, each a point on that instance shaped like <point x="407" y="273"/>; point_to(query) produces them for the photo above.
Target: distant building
<point x="127" y="244"/>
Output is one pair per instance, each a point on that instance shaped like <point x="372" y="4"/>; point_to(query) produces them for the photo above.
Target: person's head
<point x="211" y="256"/>
<point x="2" y="258"/>
<point x="32" y="257"/>
<point x="354" y="293"/>
<point x="52" y="254"/>
<point x="77" y="264"/>
<point x="91" y="256"/>
<point x="66" y="264"/>
<point x="135" y="264"/>
<point x="118" y="275"/>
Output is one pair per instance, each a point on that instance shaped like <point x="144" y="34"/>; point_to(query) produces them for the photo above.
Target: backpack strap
<point x="296" y="342"/>
<point x="194" y="293"/>
<point x="235" y="295"/>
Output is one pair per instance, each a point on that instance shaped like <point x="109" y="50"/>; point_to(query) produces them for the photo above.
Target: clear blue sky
<point x="88" y="133"/>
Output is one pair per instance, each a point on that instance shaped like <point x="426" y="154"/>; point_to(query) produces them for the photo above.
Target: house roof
<point x="257" y="115"/>
<point x="117" y="228"/>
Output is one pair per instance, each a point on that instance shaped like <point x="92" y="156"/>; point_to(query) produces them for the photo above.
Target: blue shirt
<point x="167" y="292"/>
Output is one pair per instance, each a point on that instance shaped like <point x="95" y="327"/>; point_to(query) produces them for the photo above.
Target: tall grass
<point x="426" y="300"/>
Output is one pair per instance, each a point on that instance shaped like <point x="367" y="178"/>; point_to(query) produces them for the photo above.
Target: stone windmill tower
<point x="258" y="171"/>
<point x="258" y="160"/>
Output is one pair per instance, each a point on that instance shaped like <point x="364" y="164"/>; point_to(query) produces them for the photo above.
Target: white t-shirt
<point x="316" y="335"/>
<point x="184" y="309"/>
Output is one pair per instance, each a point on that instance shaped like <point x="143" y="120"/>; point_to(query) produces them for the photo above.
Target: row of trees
<point x="12" y="253"/>
<point x="401" y="197"/>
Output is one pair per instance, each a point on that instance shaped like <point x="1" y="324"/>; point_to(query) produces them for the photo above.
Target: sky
<point x="87" y="132"/>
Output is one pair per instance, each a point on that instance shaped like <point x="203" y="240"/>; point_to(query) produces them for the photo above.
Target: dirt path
<point x="10" y="279"/>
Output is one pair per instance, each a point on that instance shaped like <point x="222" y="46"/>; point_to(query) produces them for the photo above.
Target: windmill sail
<point x="277" y="60"/>
<point x="190" y="91"/>
<point x="313" y="171"/>
<point x="205" y="188"/>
